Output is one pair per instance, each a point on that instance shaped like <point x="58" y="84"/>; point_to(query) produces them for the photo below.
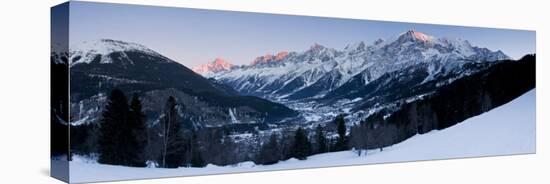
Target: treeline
<point x="122" y="137"/>
<point x="302" y="143"/>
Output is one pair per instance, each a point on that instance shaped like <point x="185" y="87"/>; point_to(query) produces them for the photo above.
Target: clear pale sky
<point x="193" y="36"/>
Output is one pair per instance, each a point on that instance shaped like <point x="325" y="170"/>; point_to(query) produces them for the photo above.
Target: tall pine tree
<point x="112" y="131"/>
<point x="341" y="143"/>
<point x="138" y="130"/>
<point x="301" y="147"/>
<point x="358" y="138"/>
<point x="270" y="151"/>
<point x="321" y="140"/>
<point x="173" y="143"/>
<point x="122" y="132"/>
<point x="196" y="157"/>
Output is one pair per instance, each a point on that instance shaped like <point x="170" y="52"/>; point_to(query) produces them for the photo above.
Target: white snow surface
<point x="506" y="130"/>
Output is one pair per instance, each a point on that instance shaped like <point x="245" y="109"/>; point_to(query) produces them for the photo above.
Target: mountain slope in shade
<point x="133" y="68"/>
<point x="319" y="70"/>
<point x="104" y="64"/>
<point x="218" y="65"/>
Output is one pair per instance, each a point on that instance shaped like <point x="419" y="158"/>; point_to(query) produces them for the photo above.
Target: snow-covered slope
<point x="506" y="130"/>
<point x="88" y="51"/>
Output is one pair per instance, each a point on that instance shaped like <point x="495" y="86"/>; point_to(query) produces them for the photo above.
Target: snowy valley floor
<point x="506" y="130"/>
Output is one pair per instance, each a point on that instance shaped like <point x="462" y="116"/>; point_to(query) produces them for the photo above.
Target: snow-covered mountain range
<point x="319" y="70"/>
<point x="360" y="79"/>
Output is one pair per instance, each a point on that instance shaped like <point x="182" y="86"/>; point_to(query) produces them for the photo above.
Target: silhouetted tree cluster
<point x="301" y="147"/>
<point x="321" y="142"/>
<point x="358" y="138"/>
<point x="218" y="147"/>
<point x="122" y="132"/>
<point x="342" y="141"/>
<point x="173" y="142"/>
<point x="196" y="158"/>
<point x="270" y="152"/>
<point x="177" y="146"/>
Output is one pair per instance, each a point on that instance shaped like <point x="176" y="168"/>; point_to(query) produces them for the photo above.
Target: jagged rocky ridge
<point x="360" y="79"/>
<point x="319" y="70"/>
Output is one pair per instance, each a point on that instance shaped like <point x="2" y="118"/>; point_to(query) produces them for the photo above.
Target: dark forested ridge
<point x="452" y="103"/>
<point x="152" y="76"/>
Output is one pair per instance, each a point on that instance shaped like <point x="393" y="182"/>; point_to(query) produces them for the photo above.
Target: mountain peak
<point x="87" y="51"/>
<point x="378" y="41"/>
<point x="106" y="46"/>
<point x="215" y="66"/>
<point x="220" y="61"/>
<point x="356" y="46"/>
<point x="268" y="58"/>
<point x="281" y="55"/>
<point x="316" y="46"/>
<point x="411" y="35"/>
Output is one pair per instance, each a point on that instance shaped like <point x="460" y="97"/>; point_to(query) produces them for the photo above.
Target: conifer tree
<point x="173" y="143"/>
<point x="270" y="151"/>
<point x="138" y="140"/>
<point x="196" y="157"/>
<point x="301" y="147"/>
<point x="321" y="140"/>
<point x="341" y="143"/>
<point x="113" y="122"/>
<point x="122" y="132"/>
<point x="358" y="138"/>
